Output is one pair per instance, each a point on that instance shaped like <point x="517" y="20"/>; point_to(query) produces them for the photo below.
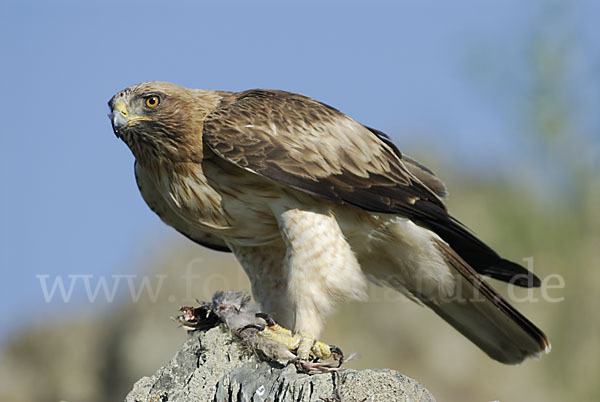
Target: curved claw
<point x="257" y="327"/>
<point x="267" y="317"/>
<point x="337" y="354"/>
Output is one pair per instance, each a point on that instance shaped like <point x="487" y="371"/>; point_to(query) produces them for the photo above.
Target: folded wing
<point x="316" y="149"/>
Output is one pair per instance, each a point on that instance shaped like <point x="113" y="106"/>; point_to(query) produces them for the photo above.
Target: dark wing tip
<point x="512" y="273"/>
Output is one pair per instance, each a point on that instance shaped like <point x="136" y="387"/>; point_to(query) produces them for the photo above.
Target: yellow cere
<point x="121" y="108"/>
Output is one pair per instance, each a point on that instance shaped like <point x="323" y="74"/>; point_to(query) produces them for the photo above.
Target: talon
<point x="267" y="317"/>
<point x="308" y="351"/>
<point x="337" y="354"/>
<point x="258" y="327"/>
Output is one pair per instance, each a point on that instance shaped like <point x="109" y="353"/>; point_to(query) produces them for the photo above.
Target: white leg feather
<point x="321" y="266"/>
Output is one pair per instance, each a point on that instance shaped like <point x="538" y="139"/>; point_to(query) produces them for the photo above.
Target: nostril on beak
<point x="124" y="112"/>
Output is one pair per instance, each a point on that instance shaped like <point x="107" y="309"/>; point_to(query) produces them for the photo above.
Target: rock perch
<point x="215" y="366"/>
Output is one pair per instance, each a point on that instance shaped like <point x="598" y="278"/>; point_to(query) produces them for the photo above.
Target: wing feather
<point x="315" y="148"/>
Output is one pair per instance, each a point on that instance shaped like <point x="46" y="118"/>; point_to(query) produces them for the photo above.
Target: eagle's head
<point x="158" y="119"/>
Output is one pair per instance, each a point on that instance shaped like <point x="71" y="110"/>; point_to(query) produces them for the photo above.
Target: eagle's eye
<point x="152" y="101"/>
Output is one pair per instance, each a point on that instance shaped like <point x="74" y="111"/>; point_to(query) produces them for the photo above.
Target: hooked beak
<point x="121" y="118"/>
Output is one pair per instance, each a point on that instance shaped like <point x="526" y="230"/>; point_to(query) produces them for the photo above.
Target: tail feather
<point x="485" y="318"/>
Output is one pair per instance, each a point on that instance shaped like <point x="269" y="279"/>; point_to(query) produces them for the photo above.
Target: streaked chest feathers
<point x="194" y="197"/>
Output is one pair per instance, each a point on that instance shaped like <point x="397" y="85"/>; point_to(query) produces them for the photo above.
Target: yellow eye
<point x="152" y="101"/>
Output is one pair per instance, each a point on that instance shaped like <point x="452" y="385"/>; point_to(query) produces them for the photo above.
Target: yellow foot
<point x="303" y="344"/>
<point x="308" y="347"/>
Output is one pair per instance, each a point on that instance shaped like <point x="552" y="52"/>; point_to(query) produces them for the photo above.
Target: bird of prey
<point x="313" y="205"/>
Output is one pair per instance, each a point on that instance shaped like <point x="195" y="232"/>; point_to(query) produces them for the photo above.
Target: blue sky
<point x="69" y="200"/>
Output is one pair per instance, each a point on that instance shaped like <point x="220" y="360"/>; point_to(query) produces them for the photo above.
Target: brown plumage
<point x="312" y="203"/>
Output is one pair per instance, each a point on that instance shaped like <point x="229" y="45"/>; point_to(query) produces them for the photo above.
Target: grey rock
<point x="215" y="366"/>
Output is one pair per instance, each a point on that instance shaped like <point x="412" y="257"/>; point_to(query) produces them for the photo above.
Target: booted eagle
<point x="313" y="205"/>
